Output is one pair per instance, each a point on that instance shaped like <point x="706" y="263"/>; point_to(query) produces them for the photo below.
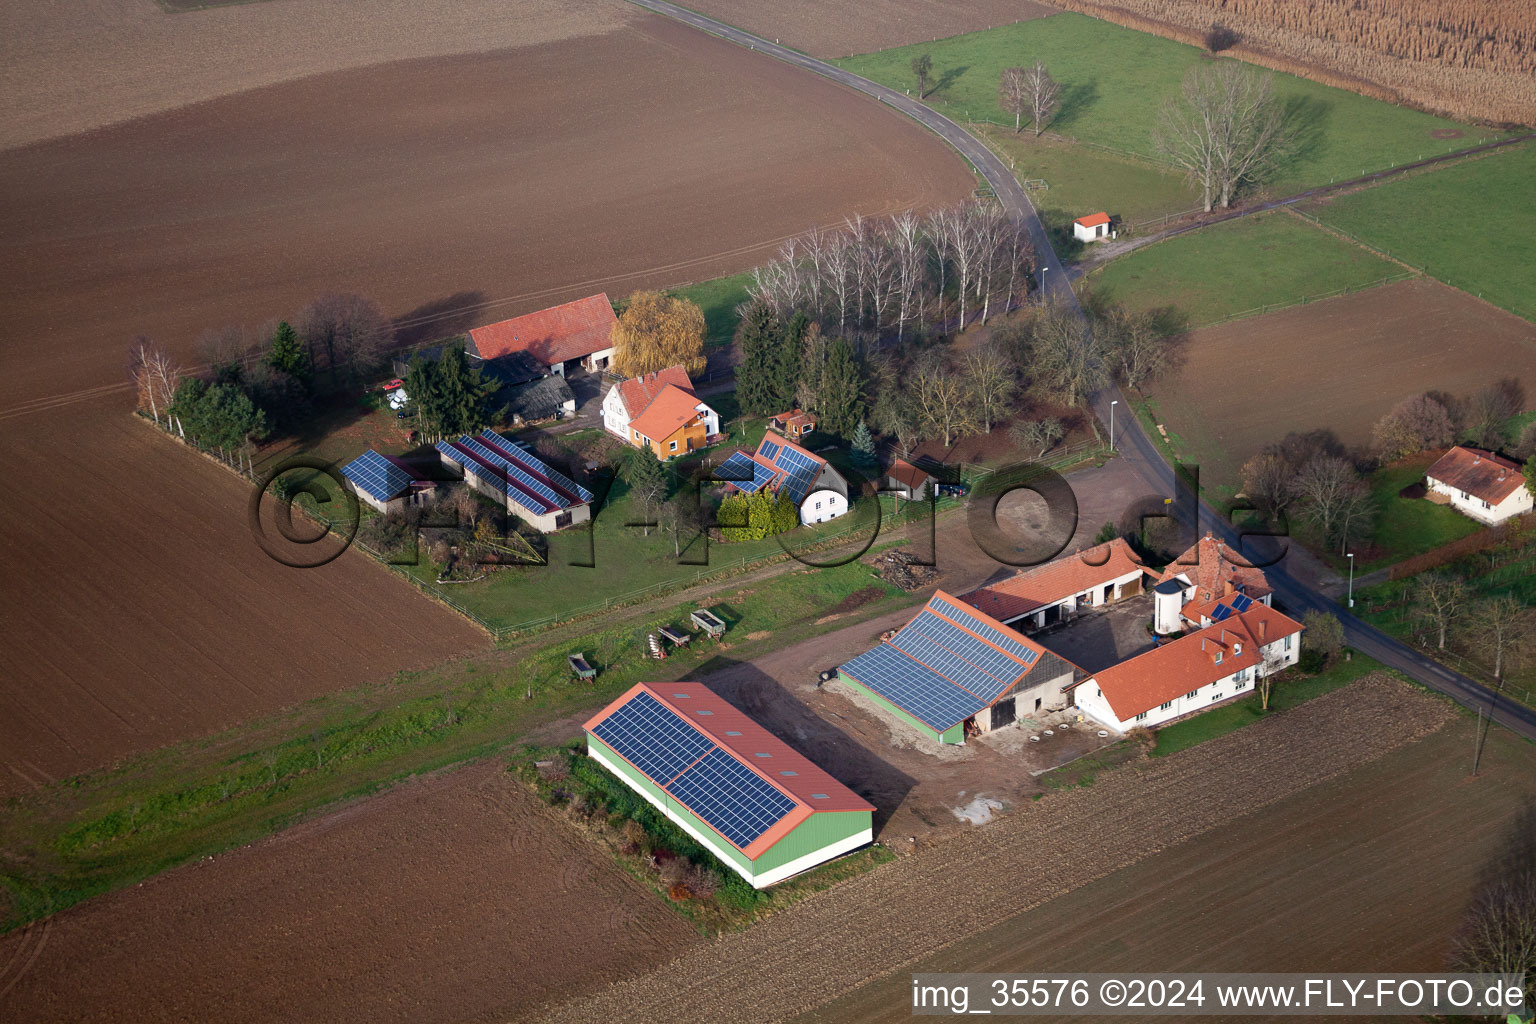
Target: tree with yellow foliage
<point x="657" y="331"/>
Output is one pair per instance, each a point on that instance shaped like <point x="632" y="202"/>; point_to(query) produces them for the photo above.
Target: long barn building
<point x="764" y="810"/>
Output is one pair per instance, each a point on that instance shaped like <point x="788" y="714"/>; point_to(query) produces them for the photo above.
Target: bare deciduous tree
<point x="1326" y="483"/>
<point x="347" y="337"/>
<point x="1488" y="408"/>
<point x="1499" y="934"/>
<point x="990" y="376"/>
<point x="1037" y="436"/>
<point x="1438" y="601"/>
<point x="1227" y="130"/>
<point x="1065" y="356"/>
<point x="154" y="375"/>
<point x="1413" y="425"/>
<point x="1044" y="95"/>
<point x="941" y="397"/>
<point x="1267" y="481"/>
<point x="1505" y="628"/>
<point x="1013" y="95"/>
<point x="922" y="67"/>
<point x="1138" y="351"/>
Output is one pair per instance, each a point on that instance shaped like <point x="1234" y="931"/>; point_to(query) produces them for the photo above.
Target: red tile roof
<point x="1042" y="585"/>
<point x="905" y="473"/>
<point x="668" y="411"/>
<point x="795" y="419"/>
<point x="1210" y="565"/>
<point x="1152" y="679"/>
<point x="1093" y="220"/>
<point x="637" y="392"/>
<point x="1484" y="475"/>
<point x="812" y="788"/>
<point x="554" y="335"/>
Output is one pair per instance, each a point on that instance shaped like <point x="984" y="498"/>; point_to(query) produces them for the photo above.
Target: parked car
<point x="953" y="490"/>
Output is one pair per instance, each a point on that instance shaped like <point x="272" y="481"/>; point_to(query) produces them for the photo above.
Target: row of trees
<point x="450" y="397"/>
<point x="1436" y="419"/>
<point x="1500" y="627"/>
<point x="897" y="276"/>
<point x="789" y="363"/>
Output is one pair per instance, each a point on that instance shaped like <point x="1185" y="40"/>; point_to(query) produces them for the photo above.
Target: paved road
<point x="1131" y="440"/>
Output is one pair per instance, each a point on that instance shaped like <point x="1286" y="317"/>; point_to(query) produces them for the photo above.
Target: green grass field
<point x="109" y="829"/>
<point x="1114" y="80"/>
<point x="1083" y="179"/>
<point x="1289" y="691"/>
<point x="1268" y="259"/>
<point x="1472" y="225"/>
<point x="718" y="299"/>
<point x="1410" y="526"/>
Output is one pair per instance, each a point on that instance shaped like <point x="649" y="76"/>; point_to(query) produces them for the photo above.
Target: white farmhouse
<point x="1480" y="484"/>
<point x="781" y="466"/>
<point x="1199" y="669"/>
<point x="627" y="399"/>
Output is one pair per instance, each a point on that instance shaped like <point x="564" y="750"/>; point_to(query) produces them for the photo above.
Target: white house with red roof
<point x="1095" y="227"/>
<point x="765" y="810"/>
<point x="1208" y="574"/>
<point x="1043" y="595"/>
<point x="573" y="332"/>
<point x="781" y="466"/>
<point x="628" y="400"/>
<point x="1480" y="484"/>
<point x="1190" y="674"/>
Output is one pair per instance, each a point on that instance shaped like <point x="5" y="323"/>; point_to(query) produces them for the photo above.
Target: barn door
<point x="1003" y="713"/>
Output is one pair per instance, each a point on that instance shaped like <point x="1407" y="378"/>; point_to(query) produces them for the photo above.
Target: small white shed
<point x="1093" y="228"/>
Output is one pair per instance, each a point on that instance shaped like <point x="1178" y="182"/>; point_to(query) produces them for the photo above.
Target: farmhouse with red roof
<point x="574" y="332"/>
<point x="660" y="411"/>
<point x="781" y="466"/>
<point x="764" y="809"/>
<point x="1485" y="486"/>
<point x="1046" y="594"/>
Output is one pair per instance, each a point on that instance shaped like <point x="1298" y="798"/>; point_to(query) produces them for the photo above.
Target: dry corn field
<point x="1468" y="59"/>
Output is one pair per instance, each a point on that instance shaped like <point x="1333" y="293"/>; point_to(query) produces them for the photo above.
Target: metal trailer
<point x="709" y="622"/>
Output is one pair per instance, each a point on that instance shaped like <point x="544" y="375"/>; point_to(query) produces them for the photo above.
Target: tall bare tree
<point x="154" y="375"/>
<point x="1499" y="934"/>
<point x="1066" y="357"/>
<point x="1037" y="436"/>
<point x="1013" y="95"/>
<point x="1138" y="351"/>
<point x="1505" y="628"/>
<point x="922" y="67"/>
<point x="1438" y="601"/>
<point x="347" y="336"/>
<point x="1044" y="96"/>
<point x="941" y="397"/>
<point x="990" y="377"/>
<point x="1226" y="129"/>
<point x="1268" y="482"/>
<point x="1326" y="484"/>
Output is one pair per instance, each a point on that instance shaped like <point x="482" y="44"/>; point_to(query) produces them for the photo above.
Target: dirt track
<point x="1342" y="363"/>
<point x="1370" y="871"/>
<point x="483" y="184"/>
<point x="449" y="899"/>
<point x="892" y="918"/>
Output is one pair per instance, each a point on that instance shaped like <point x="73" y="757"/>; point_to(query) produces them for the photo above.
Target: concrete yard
<point x="1099" y="638"/>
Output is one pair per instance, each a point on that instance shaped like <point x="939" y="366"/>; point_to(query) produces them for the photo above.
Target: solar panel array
<point x="740" y="468"/>
<point x="377" y="476"/>
<point x="524" y="454"/>
<point x="979" y="668"/>
<point x="913" y="687"/>
<point x="801" y="471"/>
<point x="1241" y="603"/>
<point x="728" y="796"/>
<point x="770" y="449"/>
<point x="1220" y="612"/>
<point x="545" y="499"/>
<point x="648" y="735"/>
<point x="740" y="805"/>
<point x="1022" y="651"/>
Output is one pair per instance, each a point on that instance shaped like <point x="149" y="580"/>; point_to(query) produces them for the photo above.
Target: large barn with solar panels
<point x="386" y="482"/>
<point x="759" y="806"/>
<point x="782" y="466"/>
<point x="508" y="472"/>
<point x="954" y="672"/>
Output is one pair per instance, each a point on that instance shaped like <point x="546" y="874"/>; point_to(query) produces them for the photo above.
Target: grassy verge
<point x="718" y="299"/>
<point x="1438" y="221"/>
<point x="1508" y="569"/>
<point x="1266" y="260"/>
<point x="100" y="832"/>
<point x="1114" y="81"/>
<point x="651" y="848"/>
<point x="1291" y="689"/>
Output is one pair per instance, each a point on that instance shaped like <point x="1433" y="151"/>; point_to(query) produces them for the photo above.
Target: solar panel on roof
<point x="651" y="737"/>
<point x="960" y="657"/>
<point x="741" y="470"/>
<point x="517" y="477"/>
<point x="526" y="456"/>
<point x="1020" y="650"/>
<point x="377" y="476"/>
<point x="1241" y="603"/>
<point x="733" y="800"/>
<point x="913" y="687"/>
<point x="1220" y="612"/>
<point x="801" y="471"/>
<point x="770" y="449"/>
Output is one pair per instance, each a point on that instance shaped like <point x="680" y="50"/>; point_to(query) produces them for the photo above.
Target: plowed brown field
<point x="1342" y="363"/>
<point x="829" y="29"/>
<point x="483" y="185"/>
<point x="448" y="899"/>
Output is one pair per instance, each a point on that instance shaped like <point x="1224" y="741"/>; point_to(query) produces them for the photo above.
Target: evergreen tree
<point x="287" y="355"/>
<point x="732" y="517"/>
<point x="863" y="443"/>
<point x="760" y="519"/>
<point x="647" y="482"/>
<point x="450" y="396"/>
<point x="841" y="391"/>
<point x="760" y="339"/>
<point x="786" y="514"/>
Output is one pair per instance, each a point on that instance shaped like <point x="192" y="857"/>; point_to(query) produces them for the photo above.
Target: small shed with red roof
<point x="1096" y="227"/>
<point x="765" y="810"/>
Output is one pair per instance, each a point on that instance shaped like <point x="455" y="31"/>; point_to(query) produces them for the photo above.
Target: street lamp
<point x="1351" y="579"/>
<point x="1042" y="284"/>
<point x="1112" y="423"/>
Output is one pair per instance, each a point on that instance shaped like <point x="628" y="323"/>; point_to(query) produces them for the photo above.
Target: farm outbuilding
<point x="1096" y="227"/>
<point x="763" y="809"/>
<point x="907" y="480"/>
<point x="507" y="472"/>
<point x="557" y="337"/>
<point x="1044" y="595"/>
<point x="953" y="672"/>
<point x="387" y="483"/>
